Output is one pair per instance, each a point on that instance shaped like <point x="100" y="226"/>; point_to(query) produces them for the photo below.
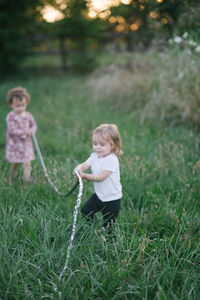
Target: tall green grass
<point x="155" y="250"/>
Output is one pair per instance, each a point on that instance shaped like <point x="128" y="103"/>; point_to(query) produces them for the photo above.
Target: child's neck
<point x="104" y="155"/>
<point x="22" y="114"/>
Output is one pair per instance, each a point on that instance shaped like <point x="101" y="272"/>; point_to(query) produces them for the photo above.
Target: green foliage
<point x="154" y="253"/>
<point x="183" y="16"/>
<point x="168" y="17"/>
<point x="20" y="18"/>
<point x="189" y="20"/>
<point x="17" y="19"/>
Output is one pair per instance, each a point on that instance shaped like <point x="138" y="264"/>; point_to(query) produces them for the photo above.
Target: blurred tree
<point x="141" y="20"/>
<point x="132" y="18"/>
<point x="189" y="19"/>
<point x="167" y="13"/>
<point x="78" y="32"/>
<point x="17" y="19"/>
<point x="147" y="18"/>
<point x="20" y="19"/>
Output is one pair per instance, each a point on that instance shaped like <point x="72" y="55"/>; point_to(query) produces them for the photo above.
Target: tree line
<point x="138" y="21"/>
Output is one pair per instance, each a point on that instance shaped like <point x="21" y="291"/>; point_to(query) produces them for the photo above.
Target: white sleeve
<point x="89" y="160"/>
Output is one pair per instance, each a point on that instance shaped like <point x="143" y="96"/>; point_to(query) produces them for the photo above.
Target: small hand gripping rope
<point x="45" y="171"/>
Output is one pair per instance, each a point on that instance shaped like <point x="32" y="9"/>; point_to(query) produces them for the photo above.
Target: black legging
<point x="110" y="209"/>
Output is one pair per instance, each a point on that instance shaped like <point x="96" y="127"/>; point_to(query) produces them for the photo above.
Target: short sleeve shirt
<point x="110" y="189"/>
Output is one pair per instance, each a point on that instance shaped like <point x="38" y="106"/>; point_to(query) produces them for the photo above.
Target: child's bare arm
<point x="101" y="176"/>
<point x="83" y="167"/>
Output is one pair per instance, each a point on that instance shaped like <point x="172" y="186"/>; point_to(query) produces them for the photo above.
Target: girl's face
<point x="19" y="106"/>
<point x="100" y="146"/>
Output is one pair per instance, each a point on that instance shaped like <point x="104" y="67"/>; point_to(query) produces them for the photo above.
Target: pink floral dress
<point x="19" y="147"/>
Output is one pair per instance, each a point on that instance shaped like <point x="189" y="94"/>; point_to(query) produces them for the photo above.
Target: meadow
<point x="154" y="253"/>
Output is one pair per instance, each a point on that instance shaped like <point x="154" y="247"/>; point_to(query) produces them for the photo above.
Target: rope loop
<point x="45" y="171"/>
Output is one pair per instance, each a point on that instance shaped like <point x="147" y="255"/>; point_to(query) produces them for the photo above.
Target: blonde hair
<point x="110" y="133"/>
<point x="18" y="92"/>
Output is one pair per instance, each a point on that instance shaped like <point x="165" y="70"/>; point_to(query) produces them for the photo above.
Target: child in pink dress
<point x="20" y="126"/>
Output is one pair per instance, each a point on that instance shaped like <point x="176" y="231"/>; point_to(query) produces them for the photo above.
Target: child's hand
<point x="30" y="132"/>
<point x="75" y="174"/>
<point x="81" y="168"/>
<point x="82" y="174"/>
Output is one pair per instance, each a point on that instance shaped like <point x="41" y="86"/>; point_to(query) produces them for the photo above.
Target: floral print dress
<point x="19" y="147"/>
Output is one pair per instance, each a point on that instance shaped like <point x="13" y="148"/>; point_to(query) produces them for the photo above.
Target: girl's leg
<point x="13" y="170"/>
<point x="110" y="212"/>
<point x="92" y="206"/>
<point x="27" y="171"/>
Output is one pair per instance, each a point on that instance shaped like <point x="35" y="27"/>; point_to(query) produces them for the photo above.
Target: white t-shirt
<point x="110" y="189"/>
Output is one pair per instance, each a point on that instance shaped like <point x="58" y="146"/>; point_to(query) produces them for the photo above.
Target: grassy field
<point x="155" y="252"/>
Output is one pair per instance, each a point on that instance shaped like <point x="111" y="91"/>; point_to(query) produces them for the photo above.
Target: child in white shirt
<point x="105" y="174"/>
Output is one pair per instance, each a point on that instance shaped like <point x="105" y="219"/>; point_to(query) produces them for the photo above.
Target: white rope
<point x="78" y="202"/>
